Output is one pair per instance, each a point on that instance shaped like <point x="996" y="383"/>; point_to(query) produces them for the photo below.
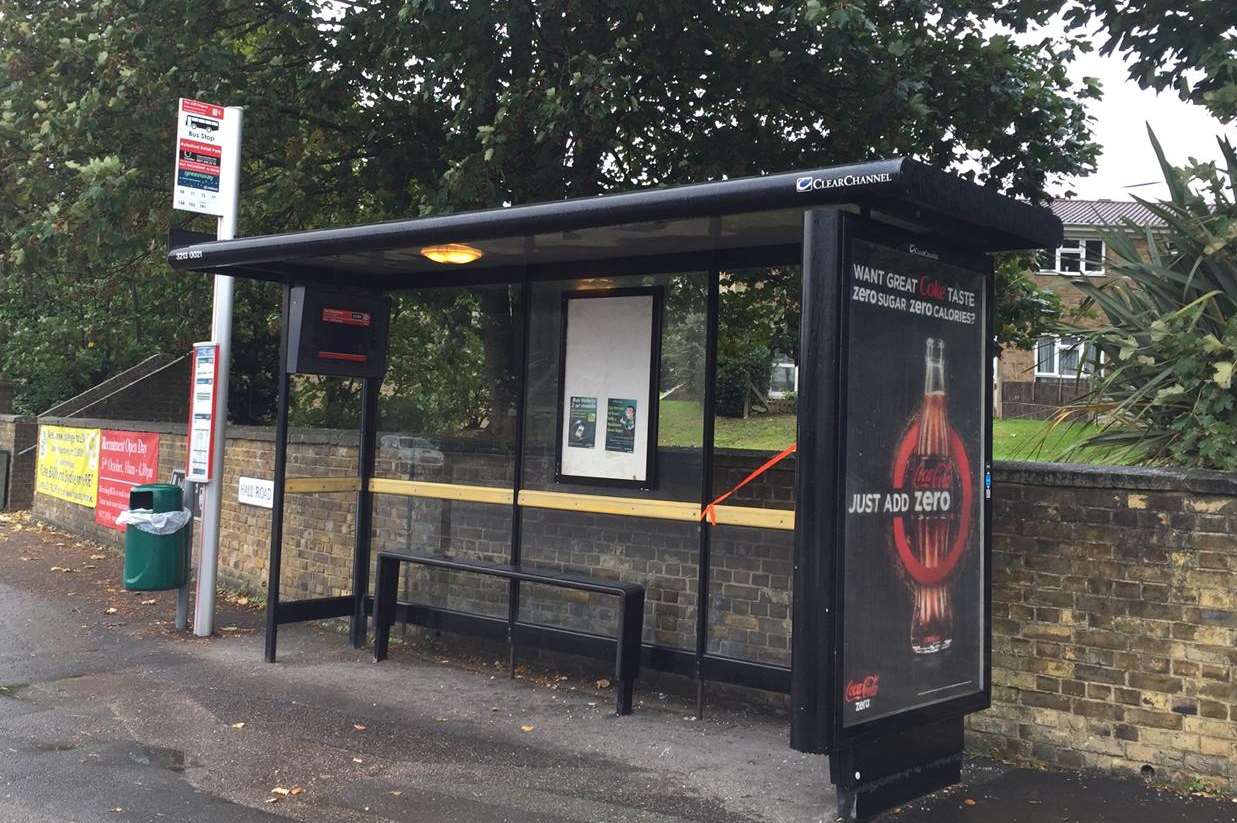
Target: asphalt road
<point x="108" y="714"/>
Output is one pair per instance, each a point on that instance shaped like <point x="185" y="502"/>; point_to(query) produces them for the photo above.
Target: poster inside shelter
<point x="582" y="424"/>
<point x="912" y="559"/>
<point x="607" y="394"/>
<point x="621" y="424"/>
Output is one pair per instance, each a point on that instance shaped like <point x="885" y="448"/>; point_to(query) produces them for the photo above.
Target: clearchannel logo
<point x="813" y="183"/>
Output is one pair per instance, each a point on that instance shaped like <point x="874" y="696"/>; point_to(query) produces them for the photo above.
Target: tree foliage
<point x="1165" y="355"/>
<point x="1190" y="48"/>
<point x="371" y="109"/>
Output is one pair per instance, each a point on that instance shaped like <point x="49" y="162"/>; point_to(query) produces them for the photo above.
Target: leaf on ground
<point x="360" y="727"/>
<point x="396" y="792"/>
<point x="527" y="727"/>
<point x="110" y="610"/>
<point x="968" y="802"/>
<point x="98" y="557"/>
<point x="26" y="558"/>
<point x="281" y="791"/>
<point x="295" y="790"/>
<point x="603" y="683"/>
<point x="357" y="760"/>
<point x="272" y="800"/>
<point x="239" y="725"/>
<point x="152" y="601"/>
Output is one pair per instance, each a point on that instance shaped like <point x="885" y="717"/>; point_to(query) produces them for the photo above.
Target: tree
<point x="1190" y="48"/>
<point x="388" y="108"/>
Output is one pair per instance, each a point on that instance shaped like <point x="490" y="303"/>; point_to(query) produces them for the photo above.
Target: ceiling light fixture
<point x="454" y="253"/>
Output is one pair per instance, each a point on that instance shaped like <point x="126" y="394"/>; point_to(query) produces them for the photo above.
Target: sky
<point x="1184" y="130"/>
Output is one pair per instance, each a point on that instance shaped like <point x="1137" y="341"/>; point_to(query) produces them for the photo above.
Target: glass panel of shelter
<point x="750" y="567"/>
<point x="324" y="413"/>
<point x="658" y="553"/>
<point x="447" y="415"/>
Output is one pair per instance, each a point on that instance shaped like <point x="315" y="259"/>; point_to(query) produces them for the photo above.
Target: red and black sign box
<point x="338" y="332"/>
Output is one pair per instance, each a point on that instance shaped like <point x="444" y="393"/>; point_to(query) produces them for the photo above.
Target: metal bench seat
<point x="630" y="595"/>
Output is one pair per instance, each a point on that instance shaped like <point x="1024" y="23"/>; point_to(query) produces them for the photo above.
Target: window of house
<point x="1076" y="257"/>
<point x="1063" y="356"/>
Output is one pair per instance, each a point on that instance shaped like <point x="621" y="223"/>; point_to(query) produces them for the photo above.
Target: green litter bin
<point x="154" y="562"/>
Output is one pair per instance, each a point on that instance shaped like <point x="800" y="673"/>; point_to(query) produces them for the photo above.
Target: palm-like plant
<point x="1163" y="360"/>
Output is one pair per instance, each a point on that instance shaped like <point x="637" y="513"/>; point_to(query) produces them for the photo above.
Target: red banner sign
<point x="126" y="459"/>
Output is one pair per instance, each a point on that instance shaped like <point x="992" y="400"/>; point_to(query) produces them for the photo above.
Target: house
<point x="1036" y="383"/>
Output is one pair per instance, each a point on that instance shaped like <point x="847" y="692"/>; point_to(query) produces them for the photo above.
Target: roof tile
<point x="1104" y="213"/>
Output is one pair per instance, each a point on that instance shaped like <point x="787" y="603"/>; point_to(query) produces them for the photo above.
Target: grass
<point x="679" y="424"/>
<point x="1035" y="439"/>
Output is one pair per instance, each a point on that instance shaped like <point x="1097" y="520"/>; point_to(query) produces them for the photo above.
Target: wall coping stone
<point x="1133" y="478"/>
<point x="17" y="418"/>
<point x="120" y="425"/>
<point x="1064" y="475"/>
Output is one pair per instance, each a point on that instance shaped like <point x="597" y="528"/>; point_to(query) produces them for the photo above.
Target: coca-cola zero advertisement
<point x="913" y="572"/>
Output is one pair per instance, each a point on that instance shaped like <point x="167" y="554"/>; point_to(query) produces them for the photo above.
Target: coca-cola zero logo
<point x="863" y="689"/>
<point x="860" y="692"/>
<point x="935" y="481"/>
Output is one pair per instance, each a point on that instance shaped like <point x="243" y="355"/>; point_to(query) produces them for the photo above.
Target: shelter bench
<point x="630" y="595"/>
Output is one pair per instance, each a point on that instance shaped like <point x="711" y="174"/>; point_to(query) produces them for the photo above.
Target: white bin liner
<point x="145" y="520"/>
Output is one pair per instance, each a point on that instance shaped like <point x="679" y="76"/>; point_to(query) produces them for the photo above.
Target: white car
<point x="416" y="450"/>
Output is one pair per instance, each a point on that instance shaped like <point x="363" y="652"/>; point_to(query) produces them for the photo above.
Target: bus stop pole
<point x="221" y="333"/>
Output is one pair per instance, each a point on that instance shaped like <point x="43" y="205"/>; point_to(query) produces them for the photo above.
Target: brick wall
<point x="1114" y="618"/>
<point x="18" y="436"/>
<point x="1114" y="598"/>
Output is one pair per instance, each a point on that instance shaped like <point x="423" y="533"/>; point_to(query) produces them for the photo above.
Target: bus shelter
<point x="848" y="567"/>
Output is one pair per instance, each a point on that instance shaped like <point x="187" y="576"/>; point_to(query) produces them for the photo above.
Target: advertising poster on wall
<point x="608" y="392"/>
<point x="126" y="459"/>
<point x="912" y="559"/>
<point x="68" y="464"/>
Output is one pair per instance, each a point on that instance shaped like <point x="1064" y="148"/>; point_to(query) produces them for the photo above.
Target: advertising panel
<point x="912" y="561"/>
<point x="68" y="464"/>
<point x="126" y="459"/>
<point x="608" y="393"/>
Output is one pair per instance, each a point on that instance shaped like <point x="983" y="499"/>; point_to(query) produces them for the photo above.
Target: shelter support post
<point x="517" y="470"/>
<point x="816" y="493"/>
<point x="280" y="471"/>
<point x="370" y="390"/>
<point x="712" y="307"/>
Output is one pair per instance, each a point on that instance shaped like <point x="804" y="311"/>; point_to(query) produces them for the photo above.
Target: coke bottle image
<point x="933" y="484"/>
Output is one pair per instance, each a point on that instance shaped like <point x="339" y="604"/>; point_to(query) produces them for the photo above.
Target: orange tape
<point x="710" y="510"/>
